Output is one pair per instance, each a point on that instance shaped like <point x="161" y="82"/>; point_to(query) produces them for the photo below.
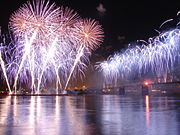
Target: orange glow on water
<point x="147" y="111"/>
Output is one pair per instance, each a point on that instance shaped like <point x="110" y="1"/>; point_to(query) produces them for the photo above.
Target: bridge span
<point x="143" y="88"/>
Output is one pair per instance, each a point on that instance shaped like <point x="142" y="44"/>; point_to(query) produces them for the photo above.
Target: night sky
<point x="123" y="22"/>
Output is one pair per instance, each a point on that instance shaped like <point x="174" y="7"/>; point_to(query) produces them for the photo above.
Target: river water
<point x="89" y="115"/>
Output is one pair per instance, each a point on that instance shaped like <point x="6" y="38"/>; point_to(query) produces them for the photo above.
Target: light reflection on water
<point x="90" y="115"/>
<point x="147" y="111"/>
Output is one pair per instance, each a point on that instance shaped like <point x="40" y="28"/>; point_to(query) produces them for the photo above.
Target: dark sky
<point x="129" y="20"/>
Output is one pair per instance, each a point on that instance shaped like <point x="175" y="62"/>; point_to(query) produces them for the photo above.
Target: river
<point x="89" y="115"/>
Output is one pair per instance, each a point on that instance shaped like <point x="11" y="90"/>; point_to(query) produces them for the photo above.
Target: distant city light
<point x="146" y="83"/>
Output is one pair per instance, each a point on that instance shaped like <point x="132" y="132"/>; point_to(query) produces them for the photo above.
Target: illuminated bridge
<point x="141" y="88"/>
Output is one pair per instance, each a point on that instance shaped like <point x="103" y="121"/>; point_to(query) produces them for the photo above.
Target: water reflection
<point x="4" y="110"/>
<point x="111" y="120"/>
<point x="147" y="111"/>
<point x="89" y="115"/>
<point x="32" y="110"/>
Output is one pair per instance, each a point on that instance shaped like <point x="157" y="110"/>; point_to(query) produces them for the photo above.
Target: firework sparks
<point x="90" y="35"/>
<point x="50" y="42"/>
<point x="158" y="55"/>
<point x="4" y="72"/>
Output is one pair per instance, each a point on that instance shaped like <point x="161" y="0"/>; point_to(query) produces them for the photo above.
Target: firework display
<point x="158" y="56"/>
<point x="50" y="43"/>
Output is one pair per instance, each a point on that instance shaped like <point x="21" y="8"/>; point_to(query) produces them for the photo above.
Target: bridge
<point x="144" y="87"/>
